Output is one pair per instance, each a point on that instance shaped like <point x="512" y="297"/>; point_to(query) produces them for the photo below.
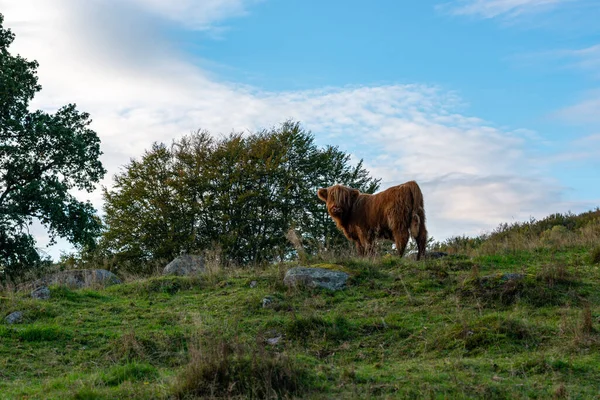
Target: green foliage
<point x="42" y="158"/>
<point x="239" y="193"/>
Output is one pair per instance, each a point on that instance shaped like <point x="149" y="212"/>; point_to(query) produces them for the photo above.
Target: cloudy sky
<point x="493" y="106"/>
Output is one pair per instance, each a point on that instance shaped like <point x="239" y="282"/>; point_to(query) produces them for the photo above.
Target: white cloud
<point x="497" y="8"/>
<point x="118" y="67"/>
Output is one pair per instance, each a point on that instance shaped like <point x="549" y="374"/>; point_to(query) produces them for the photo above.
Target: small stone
<point x="267" y="301"/>
<point x="275" y="340"/>
<point x="253" y="284"/>
<point x="14" y="318"/>
<point x="41" y="293"/>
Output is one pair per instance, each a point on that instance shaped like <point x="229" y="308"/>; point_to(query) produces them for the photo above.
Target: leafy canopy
<point x="239" y="193"/>
<point x="42" y="158"/>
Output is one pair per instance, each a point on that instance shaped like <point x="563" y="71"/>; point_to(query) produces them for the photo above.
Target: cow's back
<point x="392" y="207"/>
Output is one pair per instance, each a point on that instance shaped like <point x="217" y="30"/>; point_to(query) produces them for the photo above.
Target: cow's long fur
<point x="395" y="213"/>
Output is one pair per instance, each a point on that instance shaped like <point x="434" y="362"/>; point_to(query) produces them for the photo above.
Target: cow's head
<point x="339" y="199"/>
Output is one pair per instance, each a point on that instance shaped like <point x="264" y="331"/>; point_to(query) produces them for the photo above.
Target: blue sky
<point x="493" y="106"/>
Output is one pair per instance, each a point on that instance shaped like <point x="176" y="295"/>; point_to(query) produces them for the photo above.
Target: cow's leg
<point x="360" y="248"/>
<point x="370" y="248"/>
<point x="365" y="243"/>
<point x="421" y="240"/>
<point x="401" y="238"/>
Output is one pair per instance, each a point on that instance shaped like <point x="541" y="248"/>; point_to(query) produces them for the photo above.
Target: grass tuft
<point x="225" y="369"/>
<point x="132" y="372"/>
<point x="303" y="328"/>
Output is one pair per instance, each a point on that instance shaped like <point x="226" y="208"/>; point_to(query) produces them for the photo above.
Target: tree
<point x="240" y="193"/>
<point x="42" y="157"/>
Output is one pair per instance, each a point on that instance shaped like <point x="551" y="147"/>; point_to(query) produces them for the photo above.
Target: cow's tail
<point x="415" y="225"/>
<point x="418" y="211"/>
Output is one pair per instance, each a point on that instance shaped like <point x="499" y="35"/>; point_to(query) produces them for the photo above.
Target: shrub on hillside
<point x="222" y="369"/>
<point x="240" y="193"/>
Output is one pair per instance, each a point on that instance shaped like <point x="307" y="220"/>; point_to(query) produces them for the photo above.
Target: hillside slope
<point x="516" y="323"/>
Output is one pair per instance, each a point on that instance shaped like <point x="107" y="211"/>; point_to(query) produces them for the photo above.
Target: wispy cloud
<point x="585" y="112"/>
<point x="201" y="15"/>
<point x="474" y="175"/>
<point x="583" y="59"/>
<point x="586" y="59"/>
<point x="499" y="8"/>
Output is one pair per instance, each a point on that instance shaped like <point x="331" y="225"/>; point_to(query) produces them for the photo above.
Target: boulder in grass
<point x="186" y="264"/>
<point x="14" y="317"/>
<point x="316" y="277"/>
<point x="79" y="278"/>
<point x="41" y="293"/>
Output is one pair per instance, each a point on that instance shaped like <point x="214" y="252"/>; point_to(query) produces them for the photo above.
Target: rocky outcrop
<point x="79" y="278"/>
<point x="316" y="277"/>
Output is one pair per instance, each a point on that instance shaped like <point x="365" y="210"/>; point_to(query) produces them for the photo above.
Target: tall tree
<point x="240" y="193"/>
<point x="42" y="157"/>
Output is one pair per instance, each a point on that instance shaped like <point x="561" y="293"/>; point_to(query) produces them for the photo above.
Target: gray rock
<point x="41" y="293"/>
<point x="79" y="278"/>
<point x="186" y="264"/>
<point x="274" y="340"/>
<point x="253" y="284"/>
<point x="14" y="318"/>
<point x="267" y="301"/>
<point x="316" y="277"/>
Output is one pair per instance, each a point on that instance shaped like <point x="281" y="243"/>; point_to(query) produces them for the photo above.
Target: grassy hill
<point x="513" y="314"/>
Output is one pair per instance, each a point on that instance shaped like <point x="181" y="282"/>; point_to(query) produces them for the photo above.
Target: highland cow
<point x="395" y="214"/>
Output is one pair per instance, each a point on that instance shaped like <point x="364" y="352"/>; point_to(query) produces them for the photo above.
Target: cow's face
<point x="339" y="199"/>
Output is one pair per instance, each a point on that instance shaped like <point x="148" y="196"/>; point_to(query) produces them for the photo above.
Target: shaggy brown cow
<point x="393" y="214"/>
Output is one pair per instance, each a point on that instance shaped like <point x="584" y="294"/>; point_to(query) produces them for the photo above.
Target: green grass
<point x="447" y="328"/>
